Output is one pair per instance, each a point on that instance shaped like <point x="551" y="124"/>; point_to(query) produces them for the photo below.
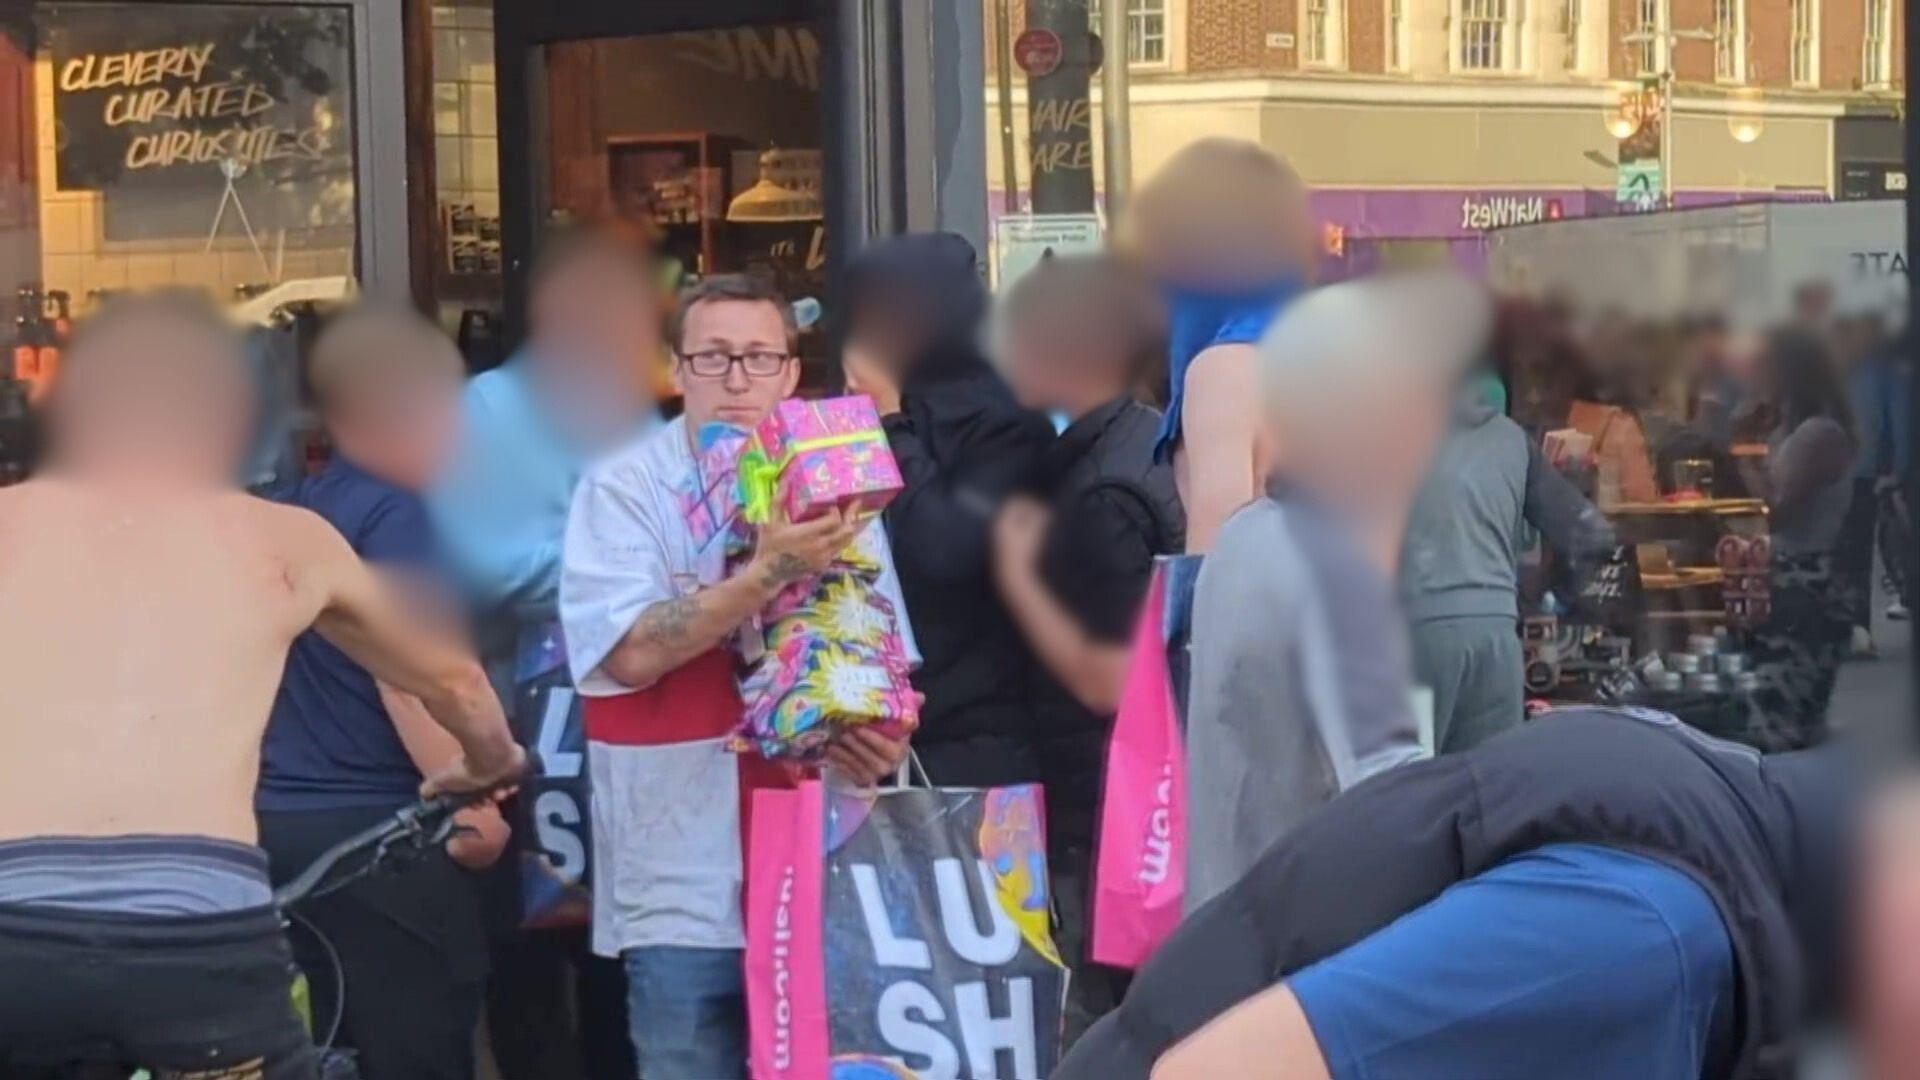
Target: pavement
<point x="1880" y="689"/>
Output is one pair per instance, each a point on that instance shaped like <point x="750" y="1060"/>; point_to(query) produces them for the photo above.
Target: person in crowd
<point x="1807" y="480"/>
<point x="1301" y="682"/>
<point x="1591" y="398"/>
<point x="1223" y="228"/>
<point x="1717" y="384"/>
<point x="575" y="390"/>
<point x="1813" y="303"/>
<point x="1601" y="893"/>
<point x="344" y="750"/>
<point x="914" y="306"/>
<point x="1879" y="385"/>
<point x="651" y="617"/>
<point x="150" y="608"/>
<point x="1073" y="559"/>
<point x="1460" y="565"/>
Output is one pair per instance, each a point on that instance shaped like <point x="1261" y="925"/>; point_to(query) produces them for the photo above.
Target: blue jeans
<point x="687" y="1011"/>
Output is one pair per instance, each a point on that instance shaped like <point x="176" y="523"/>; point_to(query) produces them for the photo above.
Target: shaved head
<point x="157" y="378"/>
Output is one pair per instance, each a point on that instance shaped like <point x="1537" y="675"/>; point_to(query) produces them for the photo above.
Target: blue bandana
<point x="1197" y="321"/>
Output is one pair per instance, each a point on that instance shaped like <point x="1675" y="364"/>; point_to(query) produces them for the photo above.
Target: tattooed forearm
<point x="669" y="623"/>
<point x="784" y="569"/>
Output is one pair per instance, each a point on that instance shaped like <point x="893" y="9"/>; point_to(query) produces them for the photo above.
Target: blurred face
<point x="1395" y="459"/>
<point x="733" y="363"/>
<point x="157" y="394"/>
<point x="1367" y="451"/>
<point x="1057" y="364"/>
<point x="886" y="339"/>
<point x="596" y="327"/>
<point x="403" y="430"/>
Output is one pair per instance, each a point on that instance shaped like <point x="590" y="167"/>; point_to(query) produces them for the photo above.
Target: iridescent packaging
<point x="814" y="456"/>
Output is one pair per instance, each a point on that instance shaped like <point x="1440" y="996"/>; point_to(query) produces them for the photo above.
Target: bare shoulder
<point x="1222" y="395"/>
<point x="308" y="552"/>
<point x="1223" y="375"/>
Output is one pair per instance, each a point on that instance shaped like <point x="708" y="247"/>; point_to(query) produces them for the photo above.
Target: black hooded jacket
<point x="1766" y="837"/>
<point x="963" y="444"/>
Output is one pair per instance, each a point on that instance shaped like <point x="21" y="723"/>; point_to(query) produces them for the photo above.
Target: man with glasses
<point x="652" y="618"/>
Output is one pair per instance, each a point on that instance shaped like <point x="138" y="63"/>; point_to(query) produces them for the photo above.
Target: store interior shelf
<point x="1717" y="507"/>
<point x="1683" y="577"/>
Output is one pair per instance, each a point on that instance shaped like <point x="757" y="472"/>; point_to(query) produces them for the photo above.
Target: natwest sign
<point x="1484" y="212"/>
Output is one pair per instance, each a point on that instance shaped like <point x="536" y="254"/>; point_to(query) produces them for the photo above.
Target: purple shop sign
<point x="1357" y="227"/>
<point x="1441" y="214"/>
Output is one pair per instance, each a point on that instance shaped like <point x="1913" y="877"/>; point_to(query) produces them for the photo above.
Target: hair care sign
<point x="198" y="92"/>
<point x="901" y="937"/>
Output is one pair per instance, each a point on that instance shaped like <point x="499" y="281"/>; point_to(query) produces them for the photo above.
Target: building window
<point x="1729" y="40"/>
<point x="1805" y="51"/>
<point x="1649" y="12"/>
<point x="466" y="146"/>
<point x="1317" y="36"/>
<point x="1570" y="24"/>
<point x="1876" y="61"/>
<point x="1146" y="29"/>
<point x="208" y="147"/>
<point x="1484" y="37"/>
<point x="1396" y="35"/>
<point x="228" y="166"/>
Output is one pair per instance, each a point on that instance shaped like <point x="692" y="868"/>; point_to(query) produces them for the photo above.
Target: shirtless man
<point x="146" y="607"/>
<point x="1224" y="230"/>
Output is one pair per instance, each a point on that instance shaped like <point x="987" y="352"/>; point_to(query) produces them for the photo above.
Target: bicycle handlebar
<point x="418" y="820"/>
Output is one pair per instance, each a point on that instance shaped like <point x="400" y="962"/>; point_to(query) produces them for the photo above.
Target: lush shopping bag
<point x="902" y="935"/>
<point x="552" y="831"/>
<point x="1140" y="866"/>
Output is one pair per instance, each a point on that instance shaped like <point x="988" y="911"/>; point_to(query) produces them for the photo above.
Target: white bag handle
<point x="904" y="777"/>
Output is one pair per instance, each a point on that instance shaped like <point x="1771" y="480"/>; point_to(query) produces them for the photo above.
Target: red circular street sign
<point x="1037" y="51"/>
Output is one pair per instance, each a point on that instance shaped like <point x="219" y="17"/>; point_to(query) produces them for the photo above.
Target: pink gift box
<point x="831" y="453"/>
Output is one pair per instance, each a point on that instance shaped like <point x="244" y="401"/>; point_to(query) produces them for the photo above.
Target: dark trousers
<point x="1853" y="552"/>
<point x="555" y="1011"/>
<point x="411" y="946"/>
<point x="1095" y="989"/>
<point x="183" y="996"/>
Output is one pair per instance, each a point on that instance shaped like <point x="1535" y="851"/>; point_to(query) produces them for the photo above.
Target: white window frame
<point x="1512" y="57"/>
<point x="1572" y="15"/>
<point x="1876" y="46"/>
<point x="1803" y="42"/>
<point x="1648" y="24"/>
<point x="1398" y="41"/>
<point x="1138" y="12"/>
<point x="1730" y="41"/>
<point x="1331" y="40"/>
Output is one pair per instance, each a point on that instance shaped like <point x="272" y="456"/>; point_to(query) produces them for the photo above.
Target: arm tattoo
<point x="668" y="623"/>
<point x="785" y="569"/>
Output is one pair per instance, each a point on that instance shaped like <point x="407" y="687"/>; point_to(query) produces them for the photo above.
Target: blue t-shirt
<point x="330" y="743"/>
<point x="1198" y="320"/>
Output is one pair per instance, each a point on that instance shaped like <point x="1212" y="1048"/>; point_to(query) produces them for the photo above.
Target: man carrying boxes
<point x="665" y="591"/>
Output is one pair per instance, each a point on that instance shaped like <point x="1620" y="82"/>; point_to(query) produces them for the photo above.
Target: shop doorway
<point x="704" y="128"/>
<point x="708" y="141"/>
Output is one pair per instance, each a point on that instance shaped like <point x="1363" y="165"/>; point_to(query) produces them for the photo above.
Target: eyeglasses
<point x="716" y="363"/>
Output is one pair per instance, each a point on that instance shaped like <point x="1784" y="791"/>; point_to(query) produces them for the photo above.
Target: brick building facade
<point x="1420" y="123"/>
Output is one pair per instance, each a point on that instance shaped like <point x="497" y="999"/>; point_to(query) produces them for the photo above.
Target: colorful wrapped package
<point x="813" y="456"/>
<point x="833" y="661"/>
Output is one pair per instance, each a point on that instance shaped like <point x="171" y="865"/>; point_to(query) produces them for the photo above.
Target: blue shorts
<point x="1571" y="961"/>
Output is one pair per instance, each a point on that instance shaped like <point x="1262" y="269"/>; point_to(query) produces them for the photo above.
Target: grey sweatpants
<point x="1474" y="666"/>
